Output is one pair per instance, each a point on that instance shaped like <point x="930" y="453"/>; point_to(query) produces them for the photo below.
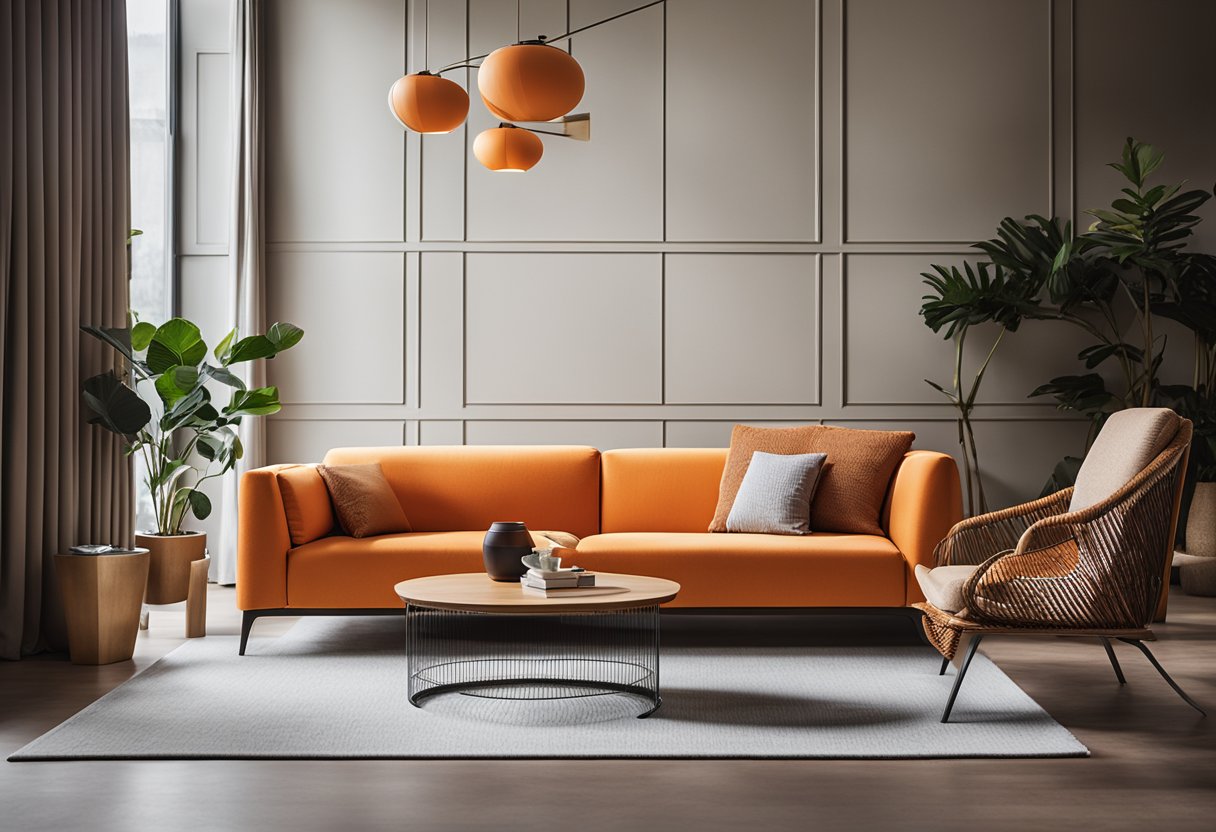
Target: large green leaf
<point x="117" y="407"/>
<point x="184" y="409"/>
<point x="250" y="349"/>
<point x="175" y="342"/>
<point x="284" y="336"/>
<point x="141" y="335"/>
<point x="200" y="504"/>
<point x="221" y="348"/>
<point x="176" y="383"/>
<point x="260" y="401"/>
<point x="224" y="376"/>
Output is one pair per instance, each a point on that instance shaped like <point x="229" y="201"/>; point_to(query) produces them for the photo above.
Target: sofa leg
<point x="247" y="619"/>
<point x="962" y="671"/>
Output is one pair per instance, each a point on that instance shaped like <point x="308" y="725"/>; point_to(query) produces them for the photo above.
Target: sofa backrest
<point x="660" y="489"/>
<point x="466" y="488"/>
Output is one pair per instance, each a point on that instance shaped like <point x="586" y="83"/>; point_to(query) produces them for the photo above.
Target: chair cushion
<point x="310" y="514"/>
<point x="775" y="496"/>
<point x="1128" y="442"/>
<point x="363" y="500"/>
<point x="757" y="570"/>
<point x="943" y="585"/>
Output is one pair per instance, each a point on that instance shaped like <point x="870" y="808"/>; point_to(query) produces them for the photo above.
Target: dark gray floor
<point x="1153" y="763"/>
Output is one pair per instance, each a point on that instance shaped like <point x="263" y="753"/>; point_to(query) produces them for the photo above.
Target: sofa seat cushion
<point x="340" y="571"/>
<point x="757" y="570"/>
<point x="943" y="585"/>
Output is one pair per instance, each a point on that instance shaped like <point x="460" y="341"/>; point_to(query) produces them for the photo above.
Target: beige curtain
<point x="246" y="255"/>
<point x="64" y="216"/>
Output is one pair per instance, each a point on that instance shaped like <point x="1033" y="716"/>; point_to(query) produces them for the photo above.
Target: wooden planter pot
<point x="169" y="568"/>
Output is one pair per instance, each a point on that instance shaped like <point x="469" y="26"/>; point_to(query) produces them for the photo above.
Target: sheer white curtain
<point x="246" y="256"/>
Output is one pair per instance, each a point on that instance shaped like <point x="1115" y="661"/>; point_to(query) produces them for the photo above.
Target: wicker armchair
<point x="1040" y="569"/>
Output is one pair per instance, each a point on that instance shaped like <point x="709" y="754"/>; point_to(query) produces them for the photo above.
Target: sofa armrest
<point x="262" y="542"/>
<point x="926" y="501"/>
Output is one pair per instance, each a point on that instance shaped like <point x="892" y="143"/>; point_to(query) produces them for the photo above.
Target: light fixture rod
<point x="468" y="62"/>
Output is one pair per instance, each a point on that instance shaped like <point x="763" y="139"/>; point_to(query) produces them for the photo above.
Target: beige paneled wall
<point x="740" y="241"/>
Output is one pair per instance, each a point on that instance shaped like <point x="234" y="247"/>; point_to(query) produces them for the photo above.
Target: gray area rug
<point x="336" y="689"/>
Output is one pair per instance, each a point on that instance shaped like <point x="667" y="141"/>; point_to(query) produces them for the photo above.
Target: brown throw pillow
<point x="855" y="478"/>
<point x="310" y="515"/>
<point x="363" y="500"/>
<point x="745" y="440"/>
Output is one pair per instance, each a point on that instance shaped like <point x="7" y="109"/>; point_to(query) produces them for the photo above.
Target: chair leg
<point x="962" y="671"/>
<point x="1153" y="659"/>
<point x="247" y="619"/>
<point x="1114" y="662"/>
<point x="945" y="664"/>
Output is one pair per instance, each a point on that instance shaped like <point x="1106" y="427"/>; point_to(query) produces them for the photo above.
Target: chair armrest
<point x="976" y="539"/>
<point x="262" y="541"/>
<point x="926" y="500"/>
<point x="1100" y="567"/>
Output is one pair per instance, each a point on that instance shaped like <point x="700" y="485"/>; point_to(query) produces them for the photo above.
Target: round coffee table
<point x="469" y="634"/>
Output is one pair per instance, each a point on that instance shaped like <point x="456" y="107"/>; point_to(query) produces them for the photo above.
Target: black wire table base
<point x="534" y="657"/>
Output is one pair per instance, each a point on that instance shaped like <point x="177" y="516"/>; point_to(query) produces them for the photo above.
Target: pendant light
<point x="507" y="148"/>
<point x="427" y="103"/>
<point x="530" y="81"/>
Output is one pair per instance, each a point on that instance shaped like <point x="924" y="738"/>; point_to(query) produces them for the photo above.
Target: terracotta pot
<point x="505" y="544"/>
<point x="1201" y="521"/>
<point x="169" y="570"/>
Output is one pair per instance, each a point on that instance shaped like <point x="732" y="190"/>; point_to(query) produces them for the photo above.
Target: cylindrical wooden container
<point x="169" y="568"/>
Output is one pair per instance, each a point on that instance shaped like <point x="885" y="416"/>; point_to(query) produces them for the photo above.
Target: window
<point x="148" y="62"/>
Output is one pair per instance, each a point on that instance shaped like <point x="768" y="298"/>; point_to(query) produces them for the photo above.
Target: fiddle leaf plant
<point x="164" y="412"/>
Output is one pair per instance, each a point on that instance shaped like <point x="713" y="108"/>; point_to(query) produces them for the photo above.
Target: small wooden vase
<point x="169" y="569"/>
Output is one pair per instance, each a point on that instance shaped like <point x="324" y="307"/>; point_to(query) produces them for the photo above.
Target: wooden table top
<point x="475" y="592"/>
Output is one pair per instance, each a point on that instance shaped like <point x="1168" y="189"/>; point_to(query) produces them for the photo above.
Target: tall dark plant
<point x="960" y="300"/>
<point x="1131" y="258"/>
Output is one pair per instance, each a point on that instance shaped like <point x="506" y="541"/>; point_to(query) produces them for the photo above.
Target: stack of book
<point x="557" y="582"/>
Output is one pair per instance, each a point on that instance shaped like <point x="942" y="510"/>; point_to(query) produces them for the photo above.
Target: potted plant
<point x="163" y="411"/>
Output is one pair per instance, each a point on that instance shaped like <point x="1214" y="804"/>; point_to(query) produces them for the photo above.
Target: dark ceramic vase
<point x="505" y="544"/>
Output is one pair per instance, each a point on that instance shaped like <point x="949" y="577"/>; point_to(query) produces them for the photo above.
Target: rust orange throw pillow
<point x="310" y="515"/>
<point x="855" y="477"/>
<point x="363" y="500"/>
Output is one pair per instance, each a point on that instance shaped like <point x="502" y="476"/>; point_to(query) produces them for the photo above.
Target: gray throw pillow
<point x="775" y="495"/>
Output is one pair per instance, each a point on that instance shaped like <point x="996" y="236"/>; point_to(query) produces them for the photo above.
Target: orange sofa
<point x="640" y="511"/>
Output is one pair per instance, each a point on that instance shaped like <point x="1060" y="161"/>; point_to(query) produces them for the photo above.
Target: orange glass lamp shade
<point x="530" y="82"/>
<point x="508" y="149"/>
<point x="427" y="103"/>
